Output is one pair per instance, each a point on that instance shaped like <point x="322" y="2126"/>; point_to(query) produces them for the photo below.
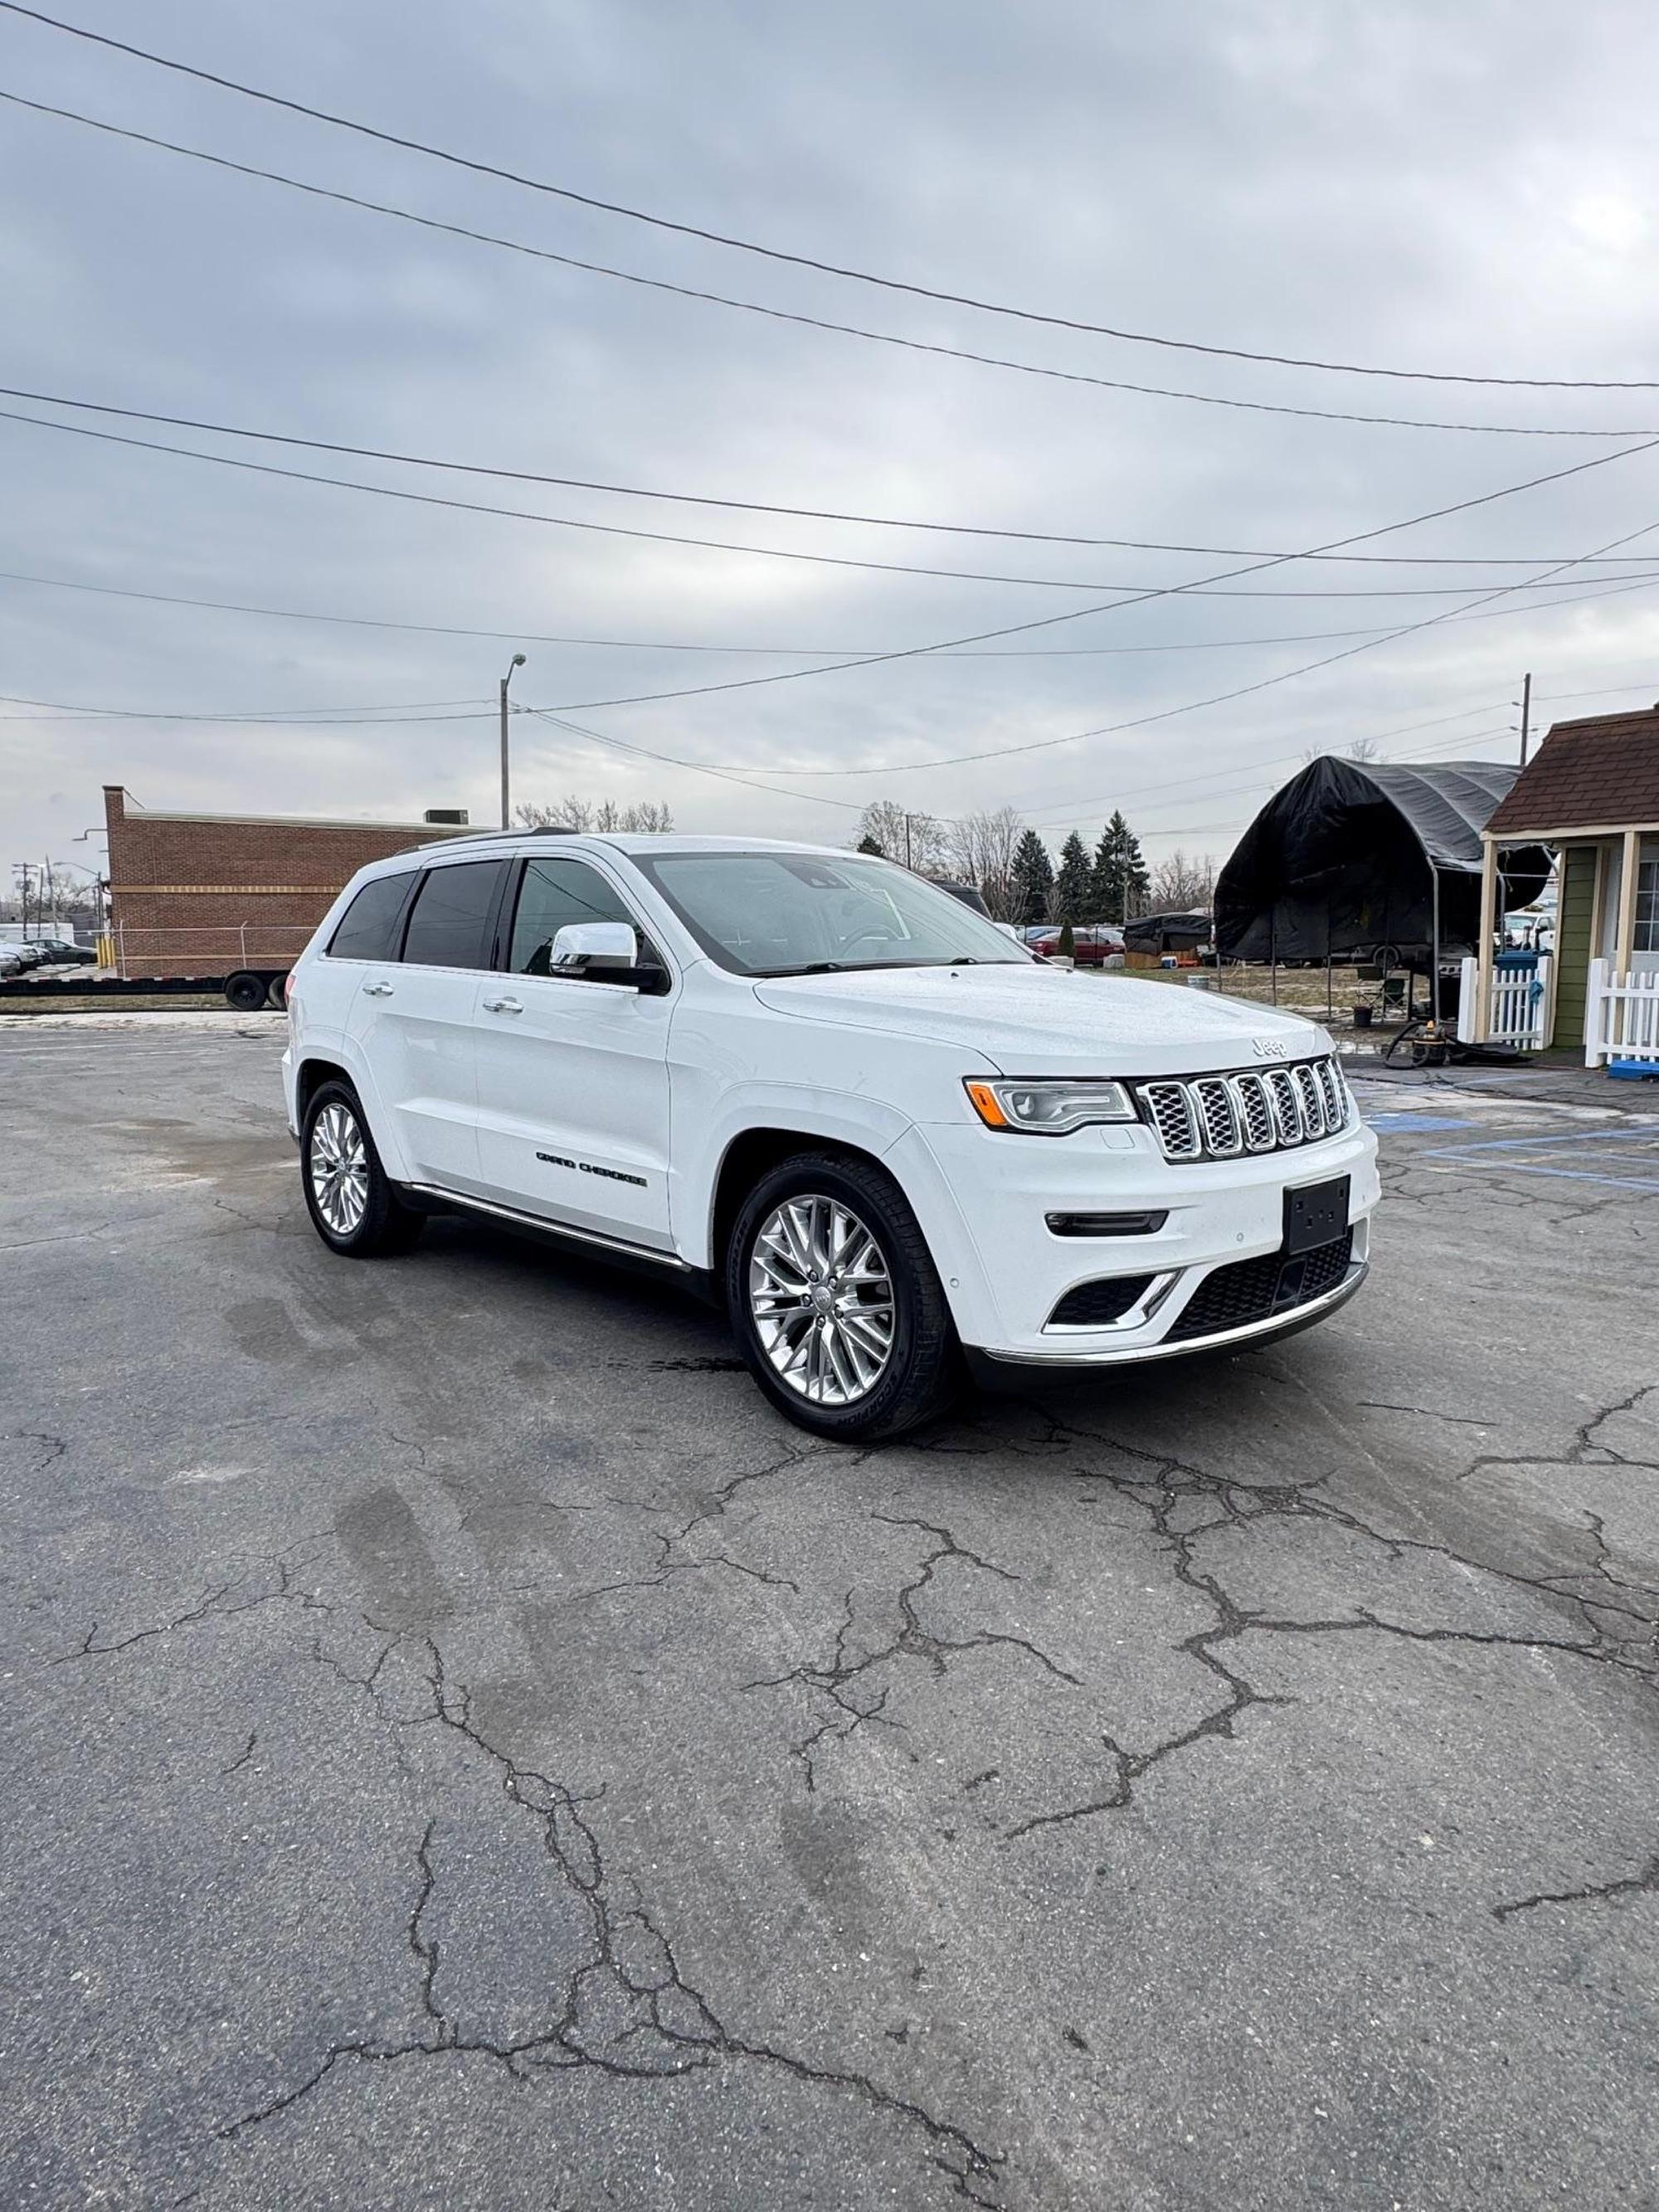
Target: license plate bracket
<point x="1316" y="1214"/>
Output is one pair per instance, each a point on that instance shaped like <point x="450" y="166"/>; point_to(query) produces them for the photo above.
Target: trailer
<point x="249" y="961"/>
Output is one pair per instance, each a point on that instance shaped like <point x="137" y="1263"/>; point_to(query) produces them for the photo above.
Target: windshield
<point x="796" y="913"/>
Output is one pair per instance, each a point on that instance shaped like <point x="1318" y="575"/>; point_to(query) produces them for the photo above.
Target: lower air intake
<point x="1249" y="1290"/>
<point x="1096" y="1306"/>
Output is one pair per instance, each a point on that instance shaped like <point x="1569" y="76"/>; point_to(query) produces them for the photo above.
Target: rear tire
<point x="354" y="1207"/>
<point x="835" y="1303"/>
<point x="245" y="991"/>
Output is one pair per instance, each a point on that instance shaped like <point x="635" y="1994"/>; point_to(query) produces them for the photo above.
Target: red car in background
<point x="1090" y="946"/>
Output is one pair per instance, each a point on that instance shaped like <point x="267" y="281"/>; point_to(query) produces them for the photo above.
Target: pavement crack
<point x="244" y="1754"/>
<point x="1636" y="1885"/>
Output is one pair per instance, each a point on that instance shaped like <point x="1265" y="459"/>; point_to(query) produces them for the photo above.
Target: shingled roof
<point x="1601" y="772"/>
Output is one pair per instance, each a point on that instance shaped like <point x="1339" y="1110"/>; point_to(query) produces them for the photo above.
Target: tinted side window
<point x="448" y="926"/>
<point x="552" y="893"/>
<point x="367" y="929"/>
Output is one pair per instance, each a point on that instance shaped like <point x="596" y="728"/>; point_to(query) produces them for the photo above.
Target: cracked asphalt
<point x="463" y="1751"/>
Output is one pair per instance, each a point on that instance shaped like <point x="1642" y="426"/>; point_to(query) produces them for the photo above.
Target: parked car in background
<point x="888" y="1140"/>
<point x="1092" y="944"/>
<point x="64" y="952"/>
<point x="10" y="964"/>
<point x="966" y="893"/>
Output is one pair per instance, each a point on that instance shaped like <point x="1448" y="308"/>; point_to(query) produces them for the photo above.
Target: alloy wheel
<point x="339" y="1169"/>
<point x="821" y="1298"/>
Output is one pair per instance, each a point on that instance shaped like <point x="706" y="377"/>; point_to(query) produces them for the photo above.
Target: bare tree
<point x="1362" y="750"/>
<point x="916" y="840"/>
<point x="575" y="812"/>
<point x="981" y="851"/>
<point x="1184" y="883"/>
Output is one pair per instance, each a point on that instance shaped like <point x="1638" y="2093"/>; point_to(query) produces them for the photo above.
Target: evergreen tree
<point x="1033" y="879"/>
<point x="1118" y="879"/>
<point x="868" y="844"/>
<point x="1073" y="884"/>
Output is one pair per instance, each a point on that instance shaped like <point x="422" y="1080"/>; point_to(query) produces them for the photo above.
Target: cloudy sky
<point x="1465" y="190"/>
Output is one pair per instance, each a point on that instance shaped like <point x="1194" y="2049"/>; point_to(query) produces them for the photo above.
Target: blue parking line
<point x="1572" y="1175"/>
<point x="1647" y="1134"/>
<point x="1649" y="1130"/>
<point x="1401" y="1120"/>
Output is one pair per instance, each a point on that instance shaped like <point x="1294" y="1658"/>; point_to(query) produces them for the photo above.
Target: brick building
<point x="206" y="894"/>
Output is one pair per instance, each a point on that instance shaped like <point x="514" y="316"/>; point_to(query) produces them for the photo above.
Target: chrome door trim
<point x="540" y="1222"/>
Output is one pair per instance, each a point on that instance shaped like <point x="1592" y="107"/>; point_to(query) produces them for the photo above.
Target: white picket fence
<point x="1518" y="1012"/>
<point x="1621" y="1018"/>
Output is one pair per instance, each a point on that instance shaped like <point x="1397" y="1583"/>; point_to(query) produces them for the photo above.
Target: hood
<point x="1049" y="1021"/>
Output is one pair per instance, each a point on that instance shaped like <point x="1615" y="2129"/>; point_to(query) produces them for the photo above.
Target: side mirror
<point x="603" y="952"/>
<point x="579" y="942"/>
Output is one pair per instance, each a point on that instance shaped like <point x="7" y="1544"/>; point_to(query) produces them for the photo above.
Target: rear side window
<point x="449" y="924"/>
<point x="368" y="928"/>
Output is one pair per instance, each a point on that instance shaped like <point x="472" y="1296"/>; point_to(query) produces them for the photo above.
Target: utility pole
<point x="517" y="661"/>
<point x="1526" y="713"/>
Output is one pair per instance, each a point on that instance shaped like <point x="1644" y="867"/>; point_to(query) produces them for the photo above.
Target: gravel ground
<point x="463" y="1750"/>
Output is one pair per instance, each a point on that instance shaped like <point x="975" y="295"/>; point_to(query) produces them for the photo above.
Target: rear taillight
<point x="288" y="989"/>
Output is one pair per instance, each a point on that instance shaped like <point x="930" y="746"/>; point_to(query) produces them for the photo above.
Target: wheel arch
<point x="312" y="1073"/>
<point x="750" y="1154"/>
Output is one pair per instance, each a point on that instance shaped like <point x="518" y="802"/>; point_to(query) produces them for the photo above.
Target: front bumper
<point x="1287" y="1323"/>
<point x="982" y="1198"/>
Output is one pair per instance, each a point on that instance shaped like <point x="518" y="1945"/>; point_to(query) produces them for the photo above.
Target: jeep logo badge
<point x="1269" y="1049"/>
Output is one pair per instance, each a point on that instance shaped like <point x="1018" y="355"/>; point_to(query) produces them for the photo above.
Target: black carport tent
<point x="1354" y="859"/>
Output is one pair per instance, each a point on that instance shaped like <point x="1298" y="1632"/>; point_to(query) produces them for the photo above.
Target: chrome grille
<point x="1307" y="1097"/>
<point x="1220" y="1116"/>
<point x="1169" y="1109"/>
<point x="1255" y="1112"/>
<point x="1287" y="1115"/>
<point x="1330" y="1091"/>
<point x="1216" y="1118"/>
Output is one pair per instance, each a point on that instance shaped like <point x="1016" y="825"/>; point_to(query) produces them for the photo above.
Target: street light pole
<point x="517" y="661"/>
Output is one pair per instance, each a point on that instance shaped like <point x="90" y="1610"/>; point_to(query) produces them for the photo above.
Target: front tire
<point x="835" y="1301"/>
<point x="354" y="1205"/>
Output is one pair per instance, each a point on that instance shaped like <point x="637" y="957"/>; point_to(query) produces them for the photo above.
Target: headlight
<point x="1044" y="1109"/>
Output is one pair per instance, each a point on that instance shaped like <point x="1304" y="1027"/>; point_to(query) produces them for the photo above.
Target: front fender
<point x="866" y="1124"/>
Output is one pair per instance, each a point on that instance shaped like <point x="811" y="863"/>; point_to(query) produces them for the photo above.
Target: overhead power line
<point x="799" y="260"/>
<point x="810" y="322"/>
<point x="676" y="760"/>
<point x="772" y="507"/>
<point x="724" y="545"/>
<point x="1582" y="596"/>
<point x="977" y="637"/>
<point x="62" y="710"/>
<point x="1189" y="707"/>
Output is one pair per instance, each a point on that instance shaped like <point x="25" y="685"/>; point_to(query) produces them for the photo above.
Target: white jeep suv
<point x="821" y="1087"/>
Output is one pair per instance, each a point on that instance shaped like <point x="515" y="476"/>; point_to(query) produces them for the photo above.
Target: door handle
<point x="377" y="990"/>
<point x="502" y="1006"/>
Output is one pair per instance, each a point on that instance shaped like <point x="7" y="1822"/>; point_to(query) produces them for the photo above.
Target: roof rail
<point x="472" y="837"/>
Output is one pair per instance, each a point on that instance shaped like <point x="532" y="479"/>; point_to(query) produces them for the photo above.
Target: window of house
<point x="449" y="925"/>
<point x="1647" y="906"/>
